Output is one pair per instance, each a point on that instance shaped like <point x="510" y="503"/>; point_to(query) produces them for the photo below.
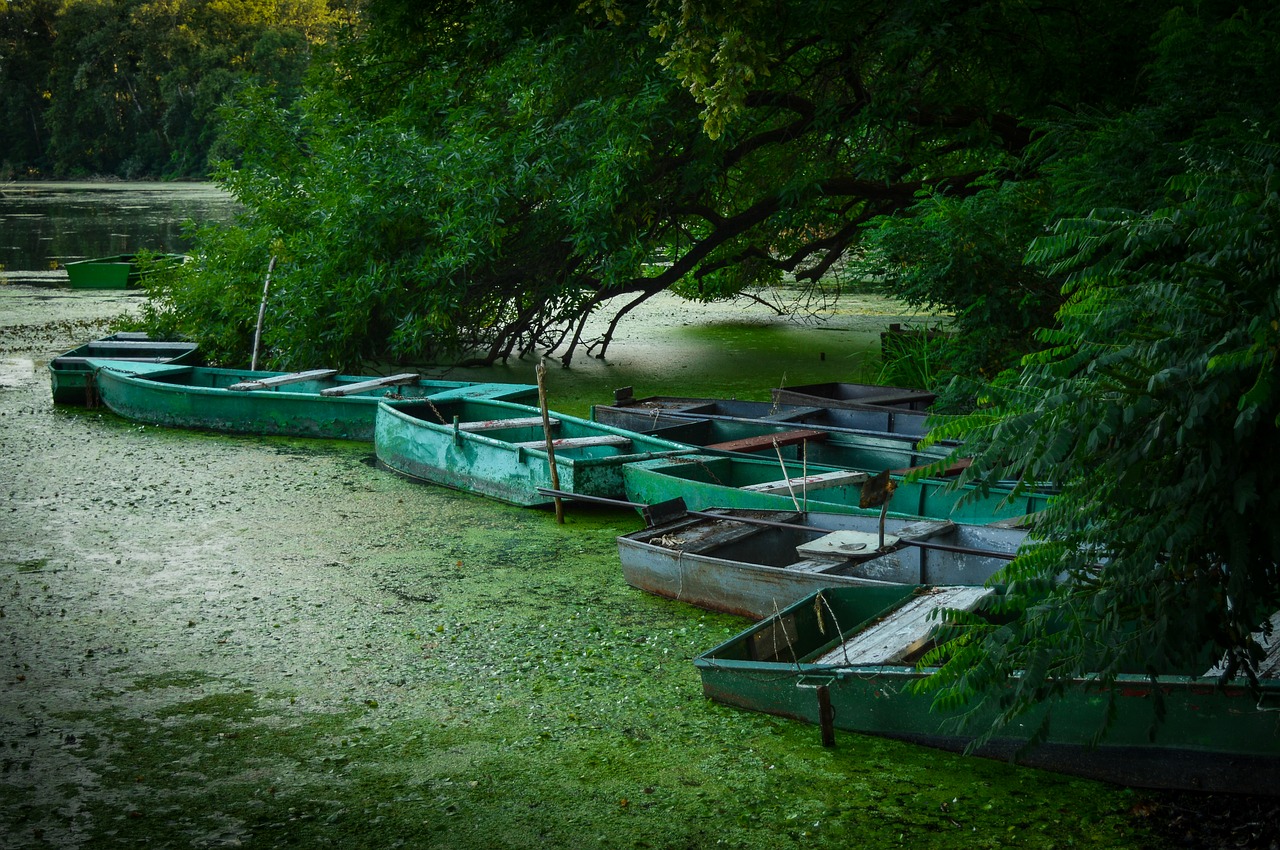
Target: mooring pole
<point x="262" y="312"/>
<point x="541" y="372"/>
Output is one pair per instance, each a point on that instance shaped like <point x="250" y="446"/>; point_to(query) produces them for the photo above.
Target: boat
<point x="755" y="563"/>
<point x="633" y="413"/>
<point x="499" y="449"/>
<point x="846" y="658"/>
<point x="765" y="438"/>
<point x="855" y="396"/>
<point x="706" y="481"/>
<point x="121" y="271"/>
<point x="71" y="379"/>
<point x="312" y="403"/>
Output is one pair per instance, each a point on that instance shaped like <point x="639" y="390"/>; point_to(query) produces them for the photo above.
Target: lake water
<point x="45" y="225"/>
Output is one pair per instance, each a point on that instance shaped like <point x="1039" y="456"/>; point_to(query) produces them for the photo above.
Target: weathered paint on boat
<point x="498" y="449"/>
<point x="1215" y="737"/>
<point x="71" y="379"/>
<point x="740" y="565"/>
<point x="200" y="397"/>
<point x="854" y="396"/>
<point x="121" y="271"/>
<point x="630" y="412"/>
<point x="706" y="481"/>
<point x="763" y="438"/>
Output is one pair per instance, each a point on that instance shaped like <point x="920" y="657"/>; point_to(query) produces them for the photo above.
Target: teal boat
<point x="71" y="379"/>
<point x="499" y="449"/>
<point x="845" y="658"/>
<point x="315" y="403"/>
<point x="706" y="481"/>
<point x="121" y="271"/>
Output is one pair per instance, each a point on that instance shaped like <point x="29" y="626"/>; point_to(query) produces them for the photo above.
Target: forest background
<point x="1087" y="187"/>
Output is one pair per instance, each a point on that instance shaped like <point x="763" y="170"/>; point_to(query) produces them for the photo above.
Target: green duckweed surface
<point x="211" y="641"/>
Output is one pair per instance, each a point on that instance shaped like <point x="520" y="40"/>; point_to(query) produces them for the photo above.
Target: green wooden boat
<point x="706" y="481"/>
<point x="845" y="658"/>
<point x="316" y="403"/>
<point x="122" y="271"/>
<point x="71" y="379"/>
<point x="499" y="449"/>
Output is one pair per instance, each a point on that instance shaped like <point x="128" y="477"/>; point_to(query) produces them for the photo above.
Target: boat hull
<point x="854" y="396"/>
<point x="119" y="272"/>
<point x="900" y="422"/>
<point x="506" y="463"/>
<point x="71" y="377"/>
<point x="756" y="570"/>
<point x="704" y="481"/>
<point x="187" y="397"/>
<point x="1213" y="738"/>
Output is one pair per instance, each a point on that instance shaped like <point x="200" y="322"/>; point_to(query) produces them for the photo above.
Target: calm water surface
<point x="45" y="225"/>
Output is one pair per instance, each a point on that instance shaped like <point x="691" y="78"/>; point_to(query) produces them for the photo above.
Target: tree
<point x="481" y="177"/>
<point x="1154" y="402"/>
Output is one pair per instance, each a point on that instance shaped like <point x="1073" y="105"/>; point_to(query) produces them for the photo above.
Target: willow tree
<point x="480" y="178"/>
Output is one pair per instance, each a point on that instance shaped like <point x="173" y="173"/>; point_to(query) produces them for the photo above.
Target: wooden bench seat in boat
<point x="371" y="384"/>
<point x="904" y="630"/>
<point x="706" y="537"/>
<point x="497" y="424"/>
<point x="67" y="361"/>
<point x="577" y="442"/>
<point x="806" y="483"/>
<point x="767" y="441"/>
<point x="954" y="469"/>
<point x="281" y="380"/>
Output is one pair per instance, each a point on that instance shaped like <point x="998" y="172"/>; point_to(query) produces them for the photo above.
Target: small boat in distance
<point x="71" y="379"/>
<point x="846" y="658"/>
<point x="499" y="449"/>
<point x="755" y="563"/>
<point x="121" y="271"/>
<point x="314" y="403"/>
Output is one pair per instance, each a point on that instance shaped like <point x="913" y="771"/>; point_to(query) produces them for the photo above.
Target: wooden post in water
<point x="262" y="311"/>
<point x="541" y="372"/>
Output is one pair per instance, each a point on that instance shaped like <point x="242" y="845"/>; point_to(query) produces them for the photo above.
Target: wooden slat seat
<point x="705" y="537"/>
<point x="578" y="442"/>
<point x="903" y="397"/>
<point x="925" y="529"/>
<point x="68" y="361"/>
<point x="843" y="544"/>
<point x="371" y="384"/>
<point x="808" y="483"/>
<point x="903" y="631"/>
<point x="954" y="469"/>
<point x="138" y="345"/>
<point x="499" y="424"/>
<point x="281" y="380"/>
<point x="782" y="439"/>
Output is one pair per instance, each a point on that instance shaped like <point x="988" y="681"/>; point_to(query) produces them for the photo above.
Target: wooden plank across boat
<point x="855" y="649"/>
<point x="655" y="413"/>
<point x="312" y="403"/>
<point x="755" y="563"/>
<point x="498" y="449"/>
<point x="710" y="481"/>
<point x="71" y="378"/>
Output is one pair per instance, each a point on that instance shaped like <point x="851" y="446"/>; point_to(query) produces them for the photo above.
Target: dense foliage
<point x="1154" y="401"/>
<point x="480" y="177"/>
<point x="132" y="88"/>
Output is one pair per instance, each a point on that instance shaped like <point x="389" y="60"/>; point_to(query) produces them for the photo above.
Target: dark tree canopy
<point x="480" y="177"/>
